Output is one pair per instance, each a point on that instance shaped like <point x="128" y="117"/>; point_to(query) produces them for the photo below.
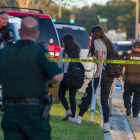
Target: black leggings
<point x="72" y="94"/>
<point x="106" y="83"/>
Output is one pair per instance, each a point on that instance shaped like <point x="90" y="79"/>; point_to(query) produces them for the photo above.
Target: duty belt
<point x="24" y="101"/>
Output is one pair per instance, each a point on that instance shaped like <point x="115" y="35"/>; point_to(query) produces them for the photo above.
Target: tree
<point x="67" y="2"/>
<point x="23" y="3"/>
<point x="121" y="10"/>
<point x="8" y="3"/>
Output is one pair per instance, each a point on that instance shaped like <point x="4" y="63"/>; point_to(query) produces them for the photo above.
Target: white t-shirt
<point x="64" y="65"/>
<point x="100" y="46"/>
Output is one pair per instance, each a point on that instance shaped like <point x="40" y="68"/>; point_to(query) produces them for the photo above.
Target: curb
<point x="107" y="136"/>
<point x="134" y="126"/>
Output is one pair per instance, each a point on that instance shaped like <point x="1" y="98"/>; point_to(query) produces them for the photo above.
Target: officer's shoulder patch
<point x="49" y="57"/>
<point x="11" y="34"/>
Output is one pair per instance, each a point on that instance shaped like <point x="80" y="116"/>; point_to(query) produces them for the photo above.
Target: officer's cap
<point x="137" y="44"/>
<point x="3" y="12"/>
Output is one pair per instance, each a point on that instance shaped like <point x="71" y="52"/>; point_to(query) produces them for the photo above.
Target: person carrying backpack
<point x="99" y="44"/>
<point x="71" y="50"/>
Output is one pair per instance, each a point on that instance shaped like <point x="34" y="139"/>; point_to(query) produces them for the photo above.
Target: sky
<point x="90" y="2"/>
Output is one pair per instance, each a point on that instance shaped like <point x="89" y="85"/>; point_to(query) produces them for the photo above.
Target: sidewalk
<point x="124" y="128"/>
<point x="121" y="129"/>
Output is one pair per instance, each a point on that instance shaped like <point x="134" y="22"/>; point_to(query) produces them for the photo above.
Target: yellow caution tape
<point x="98" y="61"/>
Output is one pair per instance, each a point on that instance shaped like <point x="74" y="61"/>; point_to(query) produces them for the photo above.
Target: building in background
<point x="115" y="36"/>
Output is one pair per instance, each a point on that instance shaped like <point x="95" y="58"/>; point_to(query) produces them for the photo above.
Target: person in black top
<point x="6" y="34"/>
<point x="132" y="82"/>
<point x="30" y="68"/>
<point x="72" y="50"/>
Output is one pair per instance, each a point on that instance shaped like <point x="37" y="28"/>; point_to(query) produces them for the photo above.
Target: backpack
<point x="113" y="70"/>
<point x="74" y="78"/>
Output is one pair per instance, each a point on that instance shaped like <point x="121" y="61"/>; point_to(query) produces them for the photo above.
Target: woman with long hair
<point x="71" y="50"/>
<point x="99" y="45"/>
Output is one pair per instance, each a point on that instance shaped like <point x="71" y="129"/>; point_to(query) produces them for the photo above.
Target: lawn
<point x="64" y="130"/>
<point x="1" y="133"/>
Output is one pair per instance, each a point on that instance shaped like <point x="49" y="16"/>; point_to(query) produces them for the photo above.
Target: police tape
<point x="49" y="57"/>
<point x="97" y="61"/>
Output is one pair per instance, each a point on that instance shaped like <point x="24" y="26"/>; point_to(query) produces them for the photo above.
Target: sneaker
<point x="128" y="109"/>
<point x="105" y="128"/>
<point x="72" y="119"/>
<point x="78" y="119"/>
<point x="68" y="114"/>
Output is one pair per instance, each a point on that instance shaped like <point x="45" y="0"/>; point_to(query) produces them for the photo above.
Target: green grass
<point x="64" y="130"/>
<point x="1" y="132"/>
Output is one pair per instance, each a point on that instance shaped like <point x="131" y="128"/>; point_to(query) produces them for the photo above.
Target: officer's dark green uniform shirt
<point x="25" y="70"/>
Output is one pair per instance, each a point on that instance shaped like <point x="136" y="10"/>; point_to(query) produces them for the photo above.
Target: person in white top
<point x="71" y="50"/>
<point x="99" y="45"/>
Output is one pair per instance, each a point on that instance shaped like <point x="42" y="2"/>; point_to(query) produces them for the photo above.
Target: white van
<point x="82" y="38"/>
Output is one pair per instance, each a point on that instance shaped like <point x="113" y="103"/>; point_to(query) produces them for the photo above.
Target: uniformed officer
<point x="25" y="70"/>
<point x="132" y="82"/>
<point x="6" y="34"/>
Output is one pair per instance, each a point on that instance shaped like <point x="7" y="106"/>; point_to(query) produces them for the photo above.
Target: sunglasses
<point x="3" y="12"/>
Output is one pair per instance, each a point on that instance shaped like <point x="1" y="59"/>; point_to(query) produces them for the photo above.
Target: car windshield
<point x="80" y="36"/>
<point x="124" y="47"/>
<point x="47" y="32"/>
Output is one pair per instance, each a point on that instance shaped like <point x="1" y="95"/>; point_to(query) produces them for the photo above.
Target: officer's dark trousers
<point x="72" y="94"/>
<point x="106" y="83"/>
<point x="23" y="122"/>
<point x="132" y="85"/>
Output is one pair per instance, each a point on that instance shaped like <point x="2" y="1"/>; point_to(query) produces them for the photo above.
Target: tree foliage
<point x="67" y="2"/>
<point x="114" y="11"/>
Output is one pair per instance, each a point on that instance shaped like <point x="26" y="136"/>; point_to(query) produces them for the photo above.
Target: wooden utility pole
<point x="59" y="13"/>
<point x="137" y="18"/>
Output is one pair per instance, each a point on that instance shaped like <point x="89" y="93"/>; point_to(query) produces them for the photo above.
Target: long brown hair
<point x="98" y="33"/>
<point x="72" y="49"/>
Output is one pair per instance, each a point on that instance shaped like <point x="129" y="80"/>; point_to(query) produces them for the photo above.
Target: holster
<point x="47" y="103"/>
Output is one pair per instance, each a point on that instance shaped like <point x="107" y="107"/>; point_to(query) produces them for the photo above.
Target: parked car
<point x="47" y="30"/>
<point x="48" y="34"/>
<point x="123" y="48"/>
<point x="82" y="38"/>
<point x="115" y="44"/>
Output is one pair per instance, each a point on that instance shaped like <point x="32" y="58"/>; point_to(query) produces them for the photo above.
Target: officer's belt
<point x="24" y="101"/>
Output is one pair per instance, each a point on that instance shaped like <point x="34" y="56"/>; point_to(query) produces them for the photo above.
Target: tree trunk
<point x="23" y="4"/>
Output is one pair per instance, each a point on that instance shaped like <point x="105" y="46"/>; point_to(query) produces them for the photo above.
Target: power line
<point x="97" y="19"/>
